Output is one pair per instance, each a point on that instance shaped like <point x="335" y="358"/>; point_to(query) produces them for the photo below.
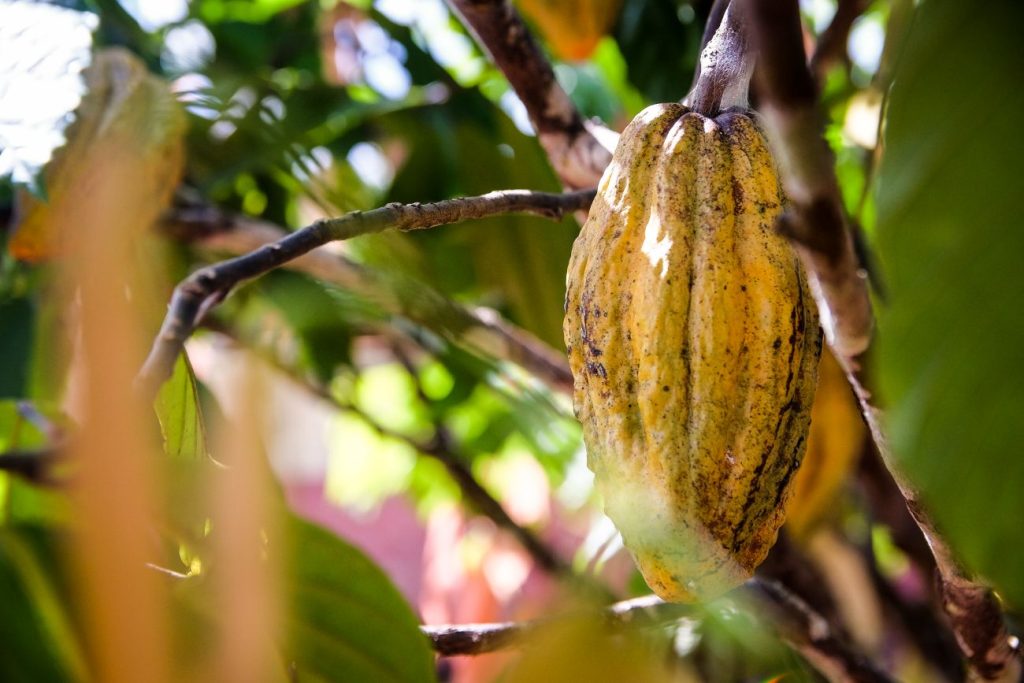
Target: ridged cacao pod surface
<point x="694" y="343"/>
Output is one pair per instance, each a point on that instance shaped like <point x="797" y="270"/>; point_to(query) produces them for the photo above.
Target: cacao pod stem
<point x="726" y="67"/>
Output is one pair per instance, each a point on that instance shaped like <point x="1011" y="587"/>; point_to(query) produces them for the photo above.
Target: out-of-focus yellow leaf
<point x="585" y="649"/>
<point x="835" y="441"/>
<point x="574" y="27"/>
<point x="128" y="126"/>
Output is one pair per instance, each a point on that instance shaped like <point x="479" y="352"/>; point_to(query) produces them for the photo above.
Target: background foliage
<point x="297" y="110"/>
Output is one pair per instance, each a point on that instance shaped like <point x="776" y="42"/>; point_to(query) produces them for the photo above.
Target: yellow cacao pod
<point x="835" y="441"/>
<point x="572" y="28"/>
<point x="694" y="345"/>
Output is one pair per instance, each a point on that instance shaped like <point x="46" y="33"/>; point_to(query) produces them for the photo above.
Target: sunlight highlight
<point x="656" y="248"/>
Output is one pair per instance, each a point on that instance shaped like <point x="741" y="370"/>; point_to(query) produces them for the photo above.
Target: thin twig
<point x="816" y="224"/>
<point x="579" y="150"/>
<point x="208" y="286"/>
<point x="481" y="330"/>
<point x="798" y="624"/>
<point x="816" y="220"/>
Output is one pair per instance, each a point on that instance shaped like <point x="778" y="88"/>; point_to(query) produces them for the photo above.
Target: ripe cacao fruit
<point x="835" y="440"/>
<point x="573" y="28"/>
<point x="694" y="344"/>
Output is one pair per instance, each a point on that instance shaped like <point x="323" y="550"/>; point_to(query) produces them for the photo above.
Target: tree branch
<point x="973" y="610"/>
<point x="480" y="329"/>
<point x="804" y="629"/>
<point x="816" y="223"/>
<point x="816" y="220"/>
<point x="579" y="150"/>
<point x="208" y="286"/>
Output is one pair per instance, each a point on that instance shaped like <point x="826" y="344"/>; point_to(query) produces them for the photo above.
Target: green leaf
<point x="17" y="431"/>
<point x="467" y="147"/>
<point x="248" y="11"/>
<point x="39" y="641"/>
<point x="22" y="428"/>
<point x="320" y="316"/>
<point x="17" y="320"/>
<point x="347" y="621"/>
<point x="660" y="47"/>
<point x="177" y="410"/>
<point x="949" y="234"/>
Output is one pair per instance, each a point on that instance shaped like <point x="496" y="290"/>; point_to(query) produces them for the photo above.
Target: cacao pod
<point x="694" y="344"/>
<point x="572" y="28"/>
<point x="835" y="440"/>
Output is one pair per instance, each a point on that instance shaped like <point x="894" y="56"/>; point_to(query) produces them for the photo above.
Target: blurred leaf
<point x="17" y="431"/>
<point x="45" y="49"/>
<point x="25" y="426"/>
<point x="584" y="649"/>
<point x="320" y="318"/>
<point x="128" y="125"/>
<point x="468" y="147"/>
<point x="30" y="504"/>
<point x="250" y="11"/>
<point x="20" y="501"/>
<point x="249" y="132"/>
<point x="50" y="356"/>
<point x="610" y="69"/>
<point x="364" y="467"/>
<point x="734" y="644"/>
<point x="610" y="63"/>
<point x="660" y="49"/>
<point x="952" y="342"/>
<point x="177" y="410"/>
<point x="572" y="28"/>
<point x="17" y="321"/>
<point x="40" y="644"/>
<point x="347" y="620"/>
<point x="388" y="394"/>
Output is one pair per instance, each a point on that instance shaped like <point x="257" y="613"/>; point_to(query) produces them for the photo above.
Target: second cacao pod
<point x="835" y="442"/>
<point x="694" y="342"/>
